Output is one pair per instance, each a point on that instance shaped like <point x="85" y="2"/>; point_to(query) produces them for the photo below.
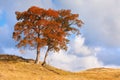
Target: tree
<point x="38" y="27"/>
<point x="69" y="23"/>
<point x="34" y="27"/>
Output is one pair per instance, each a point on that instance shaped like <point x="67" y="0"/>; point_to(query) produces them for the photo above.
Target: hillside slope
<point x="17" y="68"/>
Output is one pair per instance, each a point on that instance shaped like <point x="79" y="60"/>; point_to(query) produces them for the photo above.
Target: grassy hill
<point x="18" y="68"/>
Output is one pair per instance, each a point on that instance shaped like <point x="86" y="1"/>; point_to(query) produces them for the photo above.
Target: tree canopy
<point x="38" y="27"/>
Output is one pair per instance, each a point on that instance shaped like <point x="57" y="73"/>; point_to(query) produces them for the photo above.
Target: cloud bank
<point x="77" y="58"/>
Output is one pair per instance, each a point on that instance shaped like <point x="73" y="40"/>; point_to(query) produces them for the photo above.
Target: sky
<point x="97" y="46"/>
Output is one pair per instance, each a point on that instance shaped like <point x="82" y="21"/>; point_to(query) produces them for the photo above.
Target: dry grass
<point x="17" y="68"/>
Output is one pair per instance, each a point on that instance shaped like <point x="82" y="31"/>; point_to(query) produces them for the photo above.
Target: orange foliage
<point x="39" y="27"/>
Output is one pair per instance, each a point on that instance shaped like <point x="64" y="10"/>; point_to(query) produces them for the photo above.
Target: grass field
<point x="17" y="68"/>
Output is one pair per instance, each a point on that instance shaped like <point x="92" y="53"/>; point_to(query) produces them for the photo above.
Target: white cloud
<point x="78" y="46"/>
<point x="112" y="66"/>
<point x="82" y="57"/>
<point x="72" y="62"/>
<point x="91" y="62"/>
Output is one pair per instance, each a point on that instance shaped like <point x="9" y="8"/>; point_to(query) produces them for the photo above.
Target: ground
<point x="17" y="68"/>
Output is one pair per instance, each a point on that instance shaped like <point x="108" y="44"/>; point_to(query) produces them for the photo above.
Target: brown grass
<point x="17" y="68"/>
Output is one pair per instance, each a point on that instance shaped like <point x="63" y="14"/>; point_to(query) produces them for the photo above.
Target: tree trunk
<point x="37" y="56"/>
<point x="44" y="62"/>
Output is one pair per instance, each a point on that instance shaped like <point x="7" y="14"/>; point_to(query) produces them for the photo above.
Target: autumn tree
<point x="34" y="27"/>
<point x="70" y="24"/>
<point x="38" y="27"/>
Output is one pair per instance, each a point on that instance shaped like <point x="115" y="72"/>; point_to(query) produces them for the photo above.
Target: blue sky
<point x="97" y="46"/>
